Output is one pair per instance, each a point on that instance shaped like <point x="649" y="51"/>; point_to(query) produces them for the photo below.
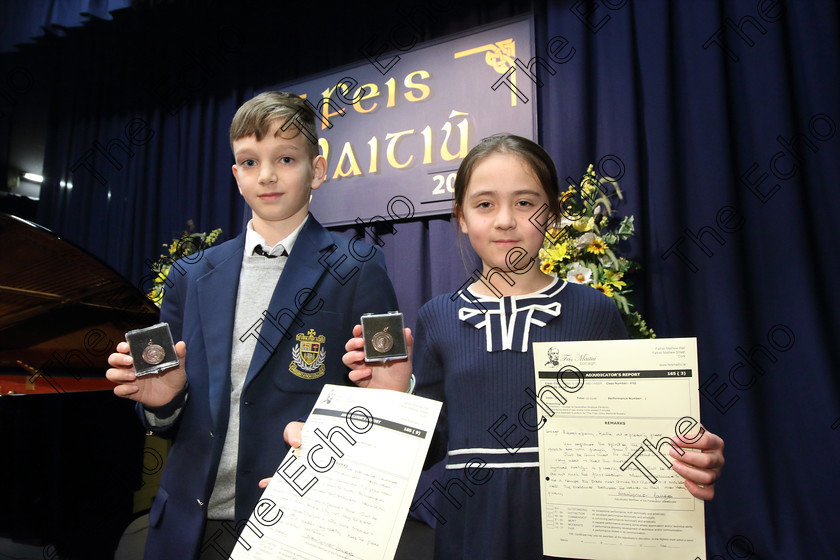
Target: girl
<point x="473" y="352"/>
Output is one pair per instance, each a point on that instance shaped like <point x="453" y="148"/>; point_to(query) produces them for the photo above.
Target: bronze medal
<point x="153" y="354"/>
<point x="382" y="341"/>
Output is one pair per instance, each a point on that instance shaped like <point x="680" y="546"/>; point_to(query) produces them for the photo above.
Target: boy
<point x="262" y="320"/>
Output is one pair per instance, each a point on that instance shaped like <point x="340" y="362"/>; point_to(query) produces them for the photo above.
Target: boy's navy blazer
<point x="328" y="282"/>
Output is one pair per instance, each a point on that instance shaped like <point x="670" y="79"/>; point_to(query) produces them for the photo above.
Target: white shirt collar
<point x="252" y="239"/>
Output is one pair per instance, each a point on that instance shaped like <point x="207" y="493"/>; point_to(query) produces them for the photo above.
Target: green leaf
<point x="626" y="228"/>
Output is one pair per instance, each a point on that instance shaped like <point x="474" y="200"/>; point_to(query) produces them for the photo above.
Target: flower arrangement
<point x="188" y="244"/>
<point x="582" y="247"/>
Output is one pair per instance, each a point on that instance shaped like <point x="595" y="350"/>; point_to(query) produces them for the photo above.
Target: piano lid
<point x="62" y="310"/>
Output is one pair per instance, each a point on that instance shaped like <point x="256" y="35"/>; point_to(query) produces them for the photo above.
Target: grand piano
<point x="71" y="453"/>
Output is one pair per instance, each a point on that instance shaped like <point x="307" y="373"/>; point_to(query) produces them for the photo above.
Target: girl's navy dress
<point x="474" y="353"/>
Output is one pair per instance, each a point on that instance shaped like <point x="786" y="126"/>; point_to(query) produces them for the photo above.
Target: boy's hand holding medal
<point x="147" y="368"/>
<point x="378" y="356"/>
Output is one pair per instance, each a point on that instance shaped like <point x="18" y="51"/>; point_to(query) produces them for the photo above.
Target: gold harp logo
<point x="500" y="57"/>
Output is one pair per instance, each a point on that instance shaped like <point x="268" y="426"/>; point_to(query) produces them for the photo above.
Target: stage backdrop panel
<point x="395" y="127"/>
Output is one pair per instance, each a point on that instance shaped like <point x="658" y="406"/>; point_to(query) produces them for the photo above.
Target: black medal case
<point x="152" y="349"/>
<point x="384" y="336"/>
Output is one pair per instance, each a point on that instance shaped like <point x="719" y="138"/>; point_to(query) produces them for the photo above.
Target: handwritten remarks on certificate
<point x="346" y="492"/>
<point x="611" y="410"/>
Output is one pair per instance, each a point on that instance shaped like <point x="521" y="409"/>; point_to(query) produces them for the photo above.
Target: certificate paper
<point x="346" y="492"/>
<point x="610" y="407"/>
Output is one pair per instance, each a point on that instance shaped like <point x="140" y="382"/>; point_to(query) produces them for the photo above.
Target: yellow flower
<point x="598" y="246"/>
<point x="584" y="224"/>
<point x="552" y="233"/>
<point x="557" y="253"/>
<point x="156" y="295"/>
<point x="604" y="288"/>
<point x="162" y="273"/>
<point x="614" y="278"/>
<point x="546" y="267"/>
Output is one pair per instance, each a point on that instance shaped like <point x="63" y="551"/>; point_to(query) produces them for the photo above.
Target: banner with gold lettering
<point x="395" y="127"/>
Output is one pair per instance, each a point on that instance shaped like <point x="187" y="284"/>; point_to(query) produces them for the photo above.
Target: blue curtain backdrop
<point x="22" y="22"/>
<point x="723" y="116"/>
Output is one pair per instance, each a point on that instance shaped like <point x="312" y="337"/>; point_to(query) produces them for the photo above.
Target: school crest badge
<point x="308" y="355"/>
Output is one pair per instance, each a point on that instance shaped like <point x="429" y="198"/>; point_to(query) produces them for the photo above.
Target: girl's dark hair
<point x="530" y="152"/>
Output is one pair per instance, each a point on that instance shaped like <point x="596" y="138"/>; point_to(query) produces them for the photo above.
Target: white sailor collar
<point x="507" y="321"/>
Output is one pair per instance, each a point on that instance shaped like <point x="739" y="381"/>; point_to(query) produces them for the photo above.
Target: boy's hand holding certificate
<point x="607" y="489"/>
<point x="346" y="491"/>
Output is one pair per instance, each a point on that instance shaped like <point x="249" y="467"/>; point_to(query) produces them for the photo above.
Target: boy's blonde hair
<point x="257" y="115"/>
